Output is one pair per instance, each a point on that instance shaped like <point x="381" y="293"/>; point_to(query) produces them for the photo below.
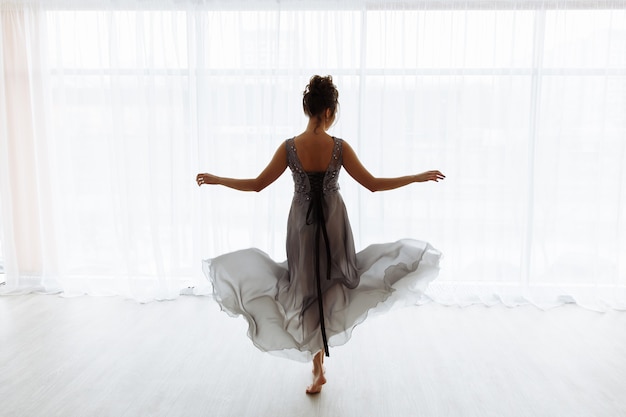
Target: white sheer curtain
<point x="110" y="109"/>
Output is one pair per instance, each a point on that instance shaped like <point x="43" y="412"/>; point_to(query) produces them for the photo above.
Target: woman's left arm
<point x="272" y="171"/>
<point x="357" y="171"/>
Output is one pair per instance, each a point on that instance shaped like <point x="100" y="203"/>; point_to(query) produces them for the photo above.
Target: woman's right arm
<point x="272" y="171"/>
<point x="355" y="168"/>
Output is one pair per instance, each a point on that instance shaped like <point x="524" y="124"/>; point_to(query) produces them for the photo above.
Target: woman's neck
<point x="316" y="126"/>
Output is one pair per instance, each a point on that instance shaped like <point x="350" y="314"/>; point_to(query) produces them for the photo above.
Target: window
<point x="517" y="104"/>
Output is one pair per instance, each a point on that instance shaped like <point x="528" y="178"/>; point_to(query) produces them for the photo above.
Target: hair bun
<point x="319" y="84"/>
<point x="320" y="94"/>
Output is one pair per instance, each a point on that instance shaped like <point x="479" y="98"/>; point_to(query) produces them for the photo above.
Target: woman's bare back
<point x="314" y="151"/>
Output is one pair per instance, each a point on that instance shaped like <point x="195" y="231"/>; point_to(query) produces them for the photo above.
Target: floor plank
<point x="92" y="356"/>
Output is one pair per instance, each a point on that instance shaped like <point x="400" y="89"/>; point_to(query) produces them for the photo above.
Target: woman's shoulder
<point x="289" y="144"/>
<point x="339" y="143"/>
<point x="342" y="142"/>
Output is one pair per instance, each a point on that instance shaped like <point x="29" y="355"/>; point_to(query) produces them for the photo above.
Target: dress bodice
<point x="303" y="186"/>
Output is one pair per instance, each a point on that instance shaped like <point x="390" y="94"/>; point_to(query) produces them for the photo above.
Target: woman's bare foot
<point x="316" y="386"/>
<point x="318" y="374"/>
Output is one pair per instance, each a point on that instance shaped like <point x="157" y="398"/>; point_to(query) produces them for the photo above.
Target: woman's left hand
<point x="429" y="176"/>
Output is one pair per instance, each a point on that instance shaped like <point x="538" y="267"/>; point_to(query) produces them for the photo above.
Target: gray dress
<point x="281" y="301"/>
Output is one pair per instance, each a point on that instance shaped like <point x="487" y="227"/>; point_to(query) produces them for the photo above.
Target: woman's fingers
<point x="432" y="176"/>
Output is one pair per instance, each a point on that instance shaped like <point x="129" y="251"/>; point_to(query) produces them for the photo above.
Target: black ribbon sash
<point x="315" y="216"/>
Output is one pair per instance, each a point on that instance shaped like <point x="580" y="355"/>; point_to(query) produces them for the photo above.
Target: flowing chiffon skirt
<point x="249" y="283"/>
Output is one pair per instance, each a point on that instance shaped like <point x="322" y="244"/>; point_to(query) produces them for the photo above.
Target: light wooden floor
<point x="88" y="356"/>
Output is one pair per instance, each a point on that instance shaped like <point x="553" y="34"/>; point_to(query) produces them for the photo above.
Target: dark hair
<point x="320" y="94"/>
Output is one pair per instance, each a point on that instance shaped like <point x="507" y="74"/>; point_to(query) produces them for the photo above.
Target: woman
<point x="325" y="289"/>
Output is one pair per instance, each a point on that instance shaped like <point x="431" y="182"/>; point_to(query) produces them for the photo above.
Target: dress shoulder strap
<point x="291" y="152"/>
<point x="338" y="151"/>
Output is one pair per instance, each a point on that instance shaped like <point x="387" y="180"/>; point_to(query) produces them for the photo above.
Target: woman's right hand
<point x="205" y="178"/>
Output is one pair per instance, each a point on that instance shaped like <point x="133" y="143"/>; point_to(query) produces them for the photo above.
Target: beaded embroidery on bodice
<point x="302" y="186"/>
